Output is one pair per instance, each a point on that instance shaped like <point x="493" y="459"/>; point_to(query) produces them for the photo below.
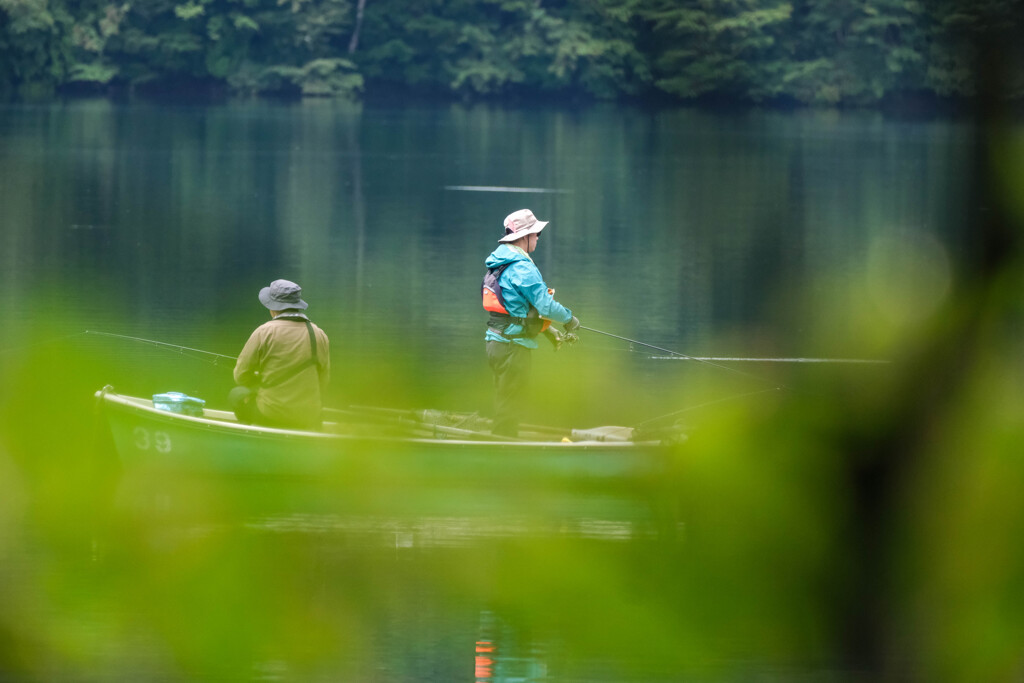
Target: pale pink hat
<point x="520" y="224"/>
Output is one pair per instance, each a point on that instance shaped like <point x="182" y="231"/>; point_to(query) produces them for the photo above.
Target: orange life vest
<point x="494" y="303"/>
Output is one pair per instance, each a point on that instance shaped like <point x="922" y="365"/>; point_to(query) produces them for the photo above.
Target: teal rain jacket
<point x="522" y="286"/>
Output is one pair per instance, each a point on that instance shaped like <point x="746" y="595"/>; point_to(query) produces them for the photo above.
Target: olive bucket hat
<point x="282" y="295"/>
<point x="521" y="223"/>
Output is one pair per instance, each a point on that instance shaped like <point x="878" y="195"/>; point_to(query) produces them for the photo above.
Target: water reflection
<point x="448" y="532"/>
<point x="501" y="658"/>
<point x="351" y="594"/>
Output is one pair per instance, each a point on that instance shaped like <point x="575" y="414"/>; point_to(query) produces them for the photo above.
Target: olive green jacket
<point x="274" y="349"/>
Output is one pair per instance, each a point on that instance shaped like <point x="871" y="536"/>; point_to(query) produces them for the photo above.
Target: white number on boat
<point x="141" y="438"/>
<point x="161" y="441"/>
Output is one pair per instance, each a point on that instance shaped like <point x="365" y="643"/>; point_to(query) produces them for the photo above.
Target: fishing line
<point x="55" y="340"/>
<point x="493" y="188"/>
<point x="704" y="405"/>
<point x="164" y="345"/>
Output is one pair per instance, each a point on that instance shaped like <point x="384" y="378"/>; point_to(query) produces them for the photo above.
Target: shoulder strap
<point x="312" y="340"/>
<point x="309" y="362"/>
<point x="492" y="285"/>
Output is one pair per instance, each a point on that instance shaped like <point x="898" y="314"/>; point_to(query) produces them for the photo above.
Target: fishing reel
<point x="558" y="339"/>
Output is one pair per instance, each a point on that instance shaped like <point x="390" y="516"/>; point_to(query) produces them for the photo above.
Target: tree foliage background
<point x="807" y="51"/>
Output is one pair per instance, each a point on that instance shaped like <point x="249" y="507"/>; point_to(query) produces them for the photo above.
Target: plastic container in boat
<point x="177" y="402"/>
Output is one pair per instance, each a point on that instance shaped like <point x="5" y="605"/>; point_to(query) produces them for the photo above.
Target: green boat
<point x="375" y="444"/>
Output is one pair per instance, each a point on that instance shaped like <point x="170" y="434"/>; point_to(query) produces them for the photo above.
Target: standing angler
<point x="521" y="306"/>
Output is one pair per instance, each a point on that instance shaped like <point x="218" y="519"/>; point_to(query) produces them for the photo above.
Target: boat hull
<point x="146" y="437"/>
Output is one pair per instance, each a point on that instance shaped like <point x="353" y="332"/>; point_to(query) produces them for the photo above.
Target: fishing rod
<point x="164" y="345"/>
<point x="706" y="361"/>
<point x="774" y="360"/>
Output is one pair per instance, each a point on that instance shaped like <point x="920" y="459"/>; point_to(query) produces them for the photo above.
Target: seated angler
<point x="285" y="366"/>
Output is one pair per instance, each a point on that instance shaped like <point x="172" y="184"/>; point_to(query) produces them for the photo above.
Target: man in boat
<point x="521" y="306"/>
<point x="284" y="368"/>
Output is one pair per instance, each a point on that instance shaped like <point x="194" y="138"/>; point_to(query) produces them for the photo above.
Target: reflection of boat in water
<point x="373" y="444"/>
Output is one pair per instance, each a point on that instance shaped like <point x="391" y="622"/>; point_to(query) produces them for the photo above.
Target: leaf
<point x="244" y="23"/>
<point x="189" y="11"/>
<point x="95" y="72"/>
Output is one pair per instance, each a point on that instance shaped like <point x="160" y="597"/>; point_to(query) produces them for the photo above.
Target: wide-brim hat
<point x="521" y="223"/>
<point x="283" y="295"/>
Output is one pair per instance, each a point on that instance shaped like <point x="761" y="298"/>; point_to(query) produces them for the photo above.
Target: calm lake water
<point x="756" y="234"/>
<point x="709" y="234"/>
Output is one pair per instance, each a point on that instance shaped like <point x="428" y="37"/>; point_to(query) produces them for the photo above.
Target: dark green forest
<point x="828" y="52"/>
